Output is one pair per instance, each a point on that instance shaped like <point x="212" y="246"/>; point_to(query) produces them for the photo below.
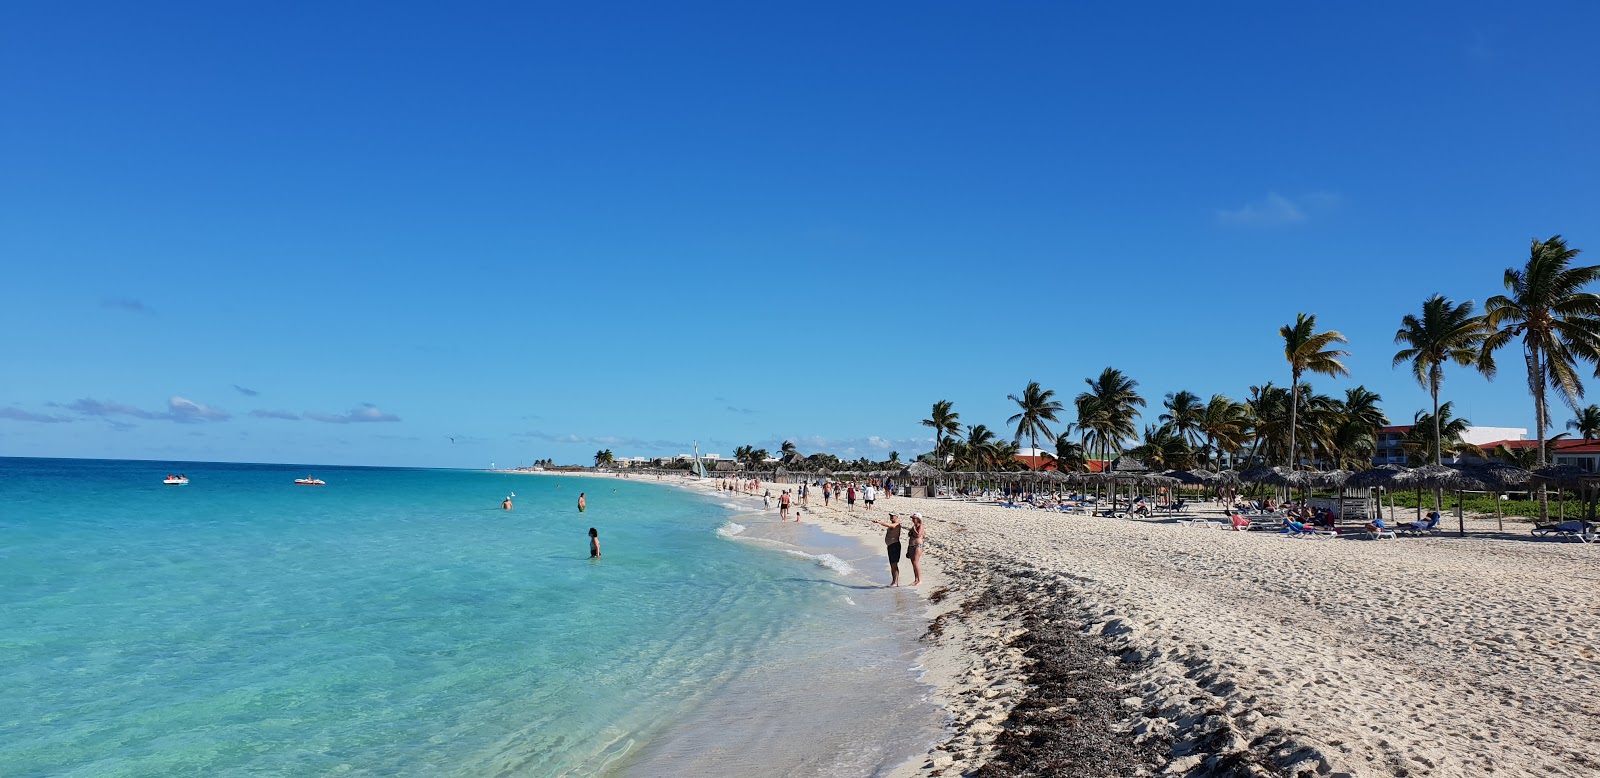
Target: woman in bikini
<point x="914" y="547"/>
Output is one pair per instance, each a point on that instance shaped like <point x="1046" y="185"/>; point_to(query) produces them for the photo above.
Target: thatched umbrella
<point x="1442" y="478"/>
<point x="1498" y="477"/>
<point x="1380" y="477"/>
<point x="1565" y="477"/>
<point x="1275" y="476"/>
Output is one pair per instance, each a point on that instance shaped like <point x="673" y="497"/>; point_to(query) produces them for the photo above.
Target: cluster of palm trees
<point x="1545" y="310"/>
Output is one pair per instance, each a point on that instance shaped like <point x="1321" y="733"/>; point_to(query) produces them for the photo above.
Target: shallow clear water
<point x="398" y="622"/>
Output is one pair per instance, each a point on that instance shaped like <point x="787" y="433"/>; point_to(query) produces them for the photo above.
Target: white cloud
<point x="366" y="413"/>
<point x="1276" y="210"/>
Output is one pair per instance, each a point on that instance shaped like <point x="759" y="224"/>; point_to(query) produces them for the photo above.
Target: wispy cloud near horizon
<point x="267" y="413"/>
<point x="18" y="414"/>
<point x="179" y="409"/>
<point x="245" y="390"/>
<point x="366" y="413"/>
<point x="1276" y="210"/>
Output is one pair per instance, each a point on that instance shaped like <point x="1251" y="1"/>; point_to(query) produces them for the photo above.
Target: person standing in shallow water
<point x="891" y="540"/>
<point x="594" y="543"/>
<point x="582" y="503"/>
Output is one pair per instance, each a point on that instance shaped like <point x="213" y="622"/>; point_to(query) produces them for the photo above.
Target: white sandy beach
<point x="1259" y="654"/>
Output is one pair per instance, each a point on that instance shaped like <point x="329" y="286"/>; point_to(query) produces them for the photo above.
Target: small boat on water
<point x="309" y="481"/>
<point x="176" y="480"/>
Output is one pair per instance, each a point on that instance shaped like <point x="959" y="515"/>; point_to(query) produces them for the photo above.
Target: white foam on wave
<point x="730" y="529"/>
<point x="826" y="560"/>
<point x="732" y="506"/>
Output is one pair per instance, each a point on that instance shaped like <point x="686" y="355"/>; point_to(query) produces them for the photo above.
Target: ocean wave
<point x="730" y="529"/>
<point x="826" y="560"/>
<point x="732" y="506"/>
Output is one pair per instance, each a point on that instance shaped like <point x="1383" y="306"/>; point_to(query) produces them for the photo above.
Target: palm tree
<point x="1306" y="349"/>
<point x="1036" y="406"/>
<point x="1069" y="454"/>
<point x="1588" y="422"/>
<point x="603" y="457"/>
<point x="1355" y="438"/>
<point x="1106" y="412"/>
<point x="978" y="449"/>
<point x="1419" y="444"/>
<point x="1547" y="308"/>
<point x="788" y="447"/>
<point x="1184" y="414"/>
<point x="1162" y="448"/>
<point x="1446" y="332"/>
<point x="944" y="422"/>
<point x="1224" y="423"/>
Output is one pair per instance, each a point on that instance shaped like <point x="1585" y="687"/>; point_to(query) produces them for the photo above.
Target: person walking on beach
<point x="594" y="543"/>
<point x="850" y="497"/>
<point x="868" y="494"/>
<point x="583" y="504"/>
<point x="914" y="547"/>
<point x="827" y="492"/>
<point x="891" y="540"/>
<point x="783" y="506"/>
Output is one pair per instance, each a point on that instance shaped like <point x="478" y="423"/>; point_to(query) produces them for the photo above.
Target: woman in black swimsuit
<point x="914" y="547"/>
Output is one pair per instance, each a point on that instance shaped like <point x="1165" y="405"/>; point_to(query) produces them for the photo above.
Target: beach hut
<point x="925" y="474"/>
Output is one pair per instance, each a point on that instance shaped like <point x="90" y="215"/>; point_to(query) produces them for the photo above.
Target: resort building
<point x="1391" y="451"/>
<point x="1582" y="454"/>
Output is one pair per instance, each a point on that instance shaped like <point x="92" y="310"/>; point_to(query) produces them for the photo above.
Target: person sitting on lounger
<point x="1240" y="523"/>
<point x="1292" y="526"/>
<point x="1376" y="525"/>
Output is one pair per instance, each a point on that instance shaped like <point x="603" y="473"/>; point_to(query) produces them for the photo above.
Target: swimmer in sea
<point x="506" y="504"/>
<point x="594" y="543"/>
<point x="582" y="503"/>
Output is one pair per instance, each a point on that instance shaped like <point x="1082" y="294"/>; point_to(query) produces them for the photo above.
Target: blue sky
<point x="347" y="233"/>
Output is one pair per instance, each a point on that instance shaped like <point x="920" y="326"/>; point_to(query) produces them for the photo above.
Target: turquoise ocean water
<point x="397" y="622"/>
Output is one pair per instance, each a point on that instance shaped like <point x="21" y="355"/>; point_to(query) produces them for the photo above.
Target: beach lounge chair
<point x="1566" y="529"/>
<point x="1428" y="526"/>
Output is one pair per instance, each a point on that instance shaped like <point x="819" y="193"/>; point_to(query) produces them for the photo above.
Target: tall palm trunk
<point x="1294" y="407"/>
<point x="1539" y="414"/>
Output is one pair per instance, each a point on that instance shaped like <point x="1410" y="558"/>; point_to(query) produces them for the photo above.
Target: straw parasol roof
<point x="1229" y="477"/>
<point x="1499" y="475"/>
<point x="1276" y="476"/>
<point x="1562" y="475"/>
<point x="1383" y="475"/>
<point x="1127" y="464"/>
<point x="1187" y="477"/>
<point x="921" y="470"/>
<point x="1439" y="477"/>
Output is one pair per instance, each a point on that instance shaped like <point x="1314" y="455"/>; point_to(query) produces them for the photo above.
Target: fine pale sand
<point x="1254" y="654"/>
